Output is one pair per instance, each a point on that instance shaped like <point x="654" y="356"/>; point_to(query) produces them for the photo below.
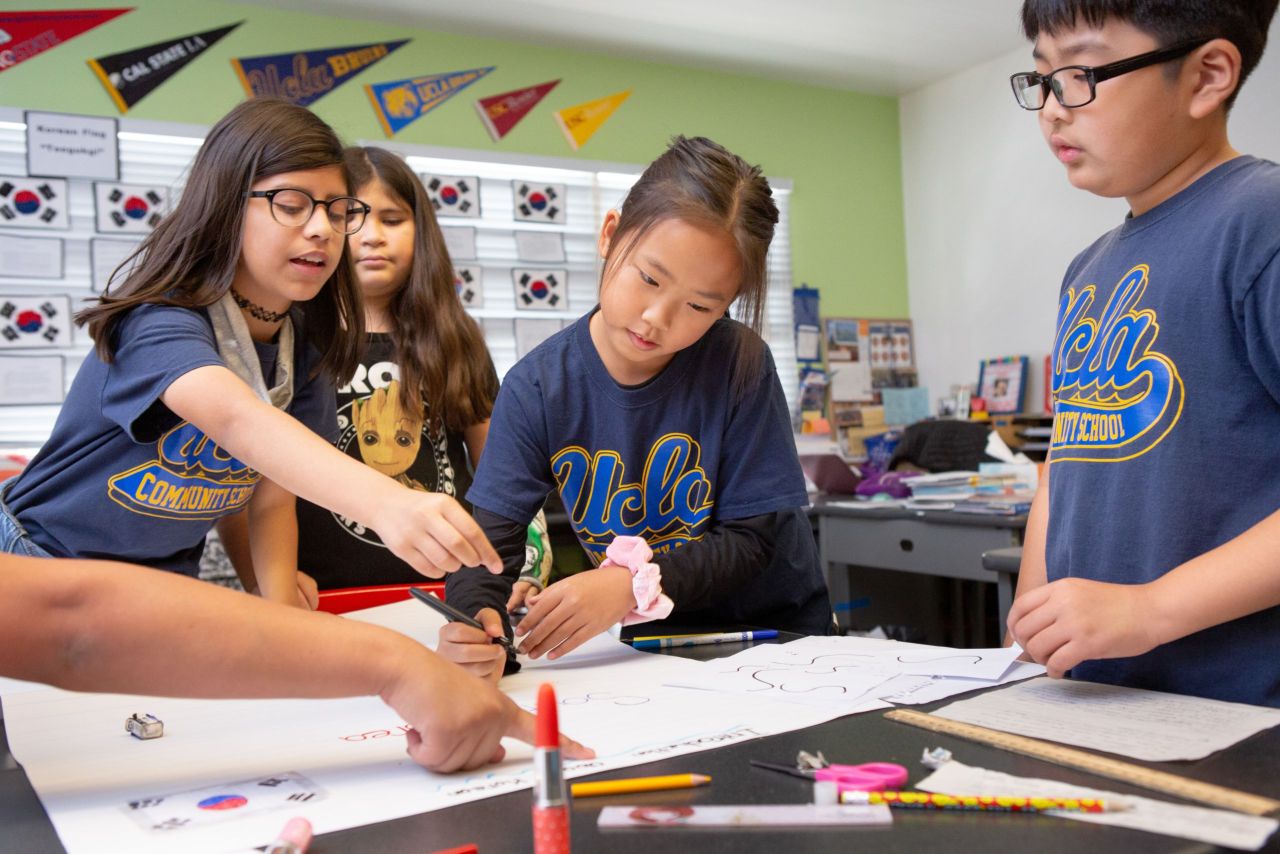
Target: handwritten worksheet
<point x="1148" y="725"/>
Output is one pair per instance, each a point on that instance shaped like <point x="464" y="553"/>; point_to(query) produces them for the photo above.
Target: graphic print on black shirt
<point x="418" y="452"/>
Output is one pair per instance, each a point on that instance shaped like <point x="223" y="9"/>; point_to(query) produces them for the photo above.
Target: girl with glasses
<point x="416" y="407"/>
<point x="210" y="387"/>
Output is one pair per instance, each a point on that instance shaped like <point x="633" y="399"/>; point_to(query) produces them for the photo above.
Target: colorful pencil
<point x="933" y="801"/>
<point x="638" y="784"/>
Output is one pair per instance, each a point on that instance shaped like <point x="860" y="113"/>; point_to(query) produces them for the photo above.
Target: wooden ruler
<point x="1137" y="775"/>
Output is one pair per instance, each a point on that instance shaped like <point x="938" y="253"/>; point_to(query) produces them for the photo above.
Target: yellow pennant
<point x="580" y="122"/>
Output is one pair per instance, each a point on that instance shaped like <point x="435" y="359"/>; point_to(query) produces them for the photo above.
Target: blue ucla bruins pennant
<point x="1116" y="397"/>
<point x="191" y="478"/>
<point x="400" y="102"/>
<point x="303" y="77"/>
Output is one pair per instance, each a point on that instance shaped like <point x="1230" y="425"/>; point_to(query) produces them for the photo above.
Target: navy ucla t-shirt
<point x="662" y="461"/>
<point x="1166" y="381"/>
<point x="121" y="477"/>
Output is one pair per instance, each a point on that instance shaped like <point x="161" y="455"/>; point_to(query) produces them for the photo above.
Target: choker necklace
<point x="263" y="314"/>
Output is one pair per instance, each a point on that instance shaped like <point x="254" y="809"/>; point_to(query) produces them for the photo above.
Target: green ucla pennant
<point x="305" y="76"/>
<point x="400" y="102"/>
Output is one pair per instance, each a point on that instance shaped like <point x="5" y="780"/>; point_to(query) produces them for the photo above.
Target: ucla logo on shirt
<point x="1116" y="397"/>
<point x="668" y="506"/>
<point x="191" y="479"/>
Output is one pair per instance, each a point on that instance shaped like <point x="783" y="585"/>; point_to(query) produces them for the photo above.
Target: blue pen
<point x="698" y="640"/>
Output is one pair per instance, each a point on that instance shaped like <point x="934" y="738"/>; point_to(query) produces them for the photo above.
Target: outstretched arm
<point x="103" y="626"/>
<point x="429" y="531"/>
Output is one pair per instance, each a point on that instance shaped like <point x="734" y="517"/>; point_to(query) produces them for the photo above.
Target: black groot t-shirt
<point x="411" y="447"/>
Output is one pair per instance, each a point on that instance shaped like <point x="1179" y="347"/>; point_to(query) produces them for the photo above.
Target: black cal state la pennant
<point x="132" y="74"/>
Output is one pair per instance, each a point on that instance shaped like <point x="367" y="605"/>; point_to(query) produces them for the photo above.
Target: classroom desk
<point x="940" y="543"/>
<point x="501" y="824"/>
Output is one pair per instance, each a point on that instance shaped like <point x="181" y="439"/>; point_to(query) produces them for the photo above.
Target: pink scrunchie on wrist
<point x="633" y="553"/>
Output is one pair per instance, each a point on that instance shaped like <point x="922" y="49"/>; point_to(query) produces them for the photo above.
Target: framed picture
<point x="1002" y="383"/>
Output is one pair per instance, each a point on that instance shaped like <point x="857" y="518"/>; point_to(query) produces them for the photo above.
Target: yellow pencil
<point x="639" y="784"/>
<point x="664" y="637"/>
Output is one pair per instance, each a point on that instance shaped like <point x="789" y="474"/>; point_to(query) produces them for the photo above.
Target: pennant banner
<point x="468" y="281"/>
<point x="579" y="123"/>
<point x="303" y="77"/>
<point x="401" y="102"/>
<point x="500" y="113"/>
<point x="26" y="34"/>
<point x="35" y="321"/>
<point x="453" y="195"/>
<point x="33" y="202"/>
<point x="132" y="74"/>
<point x="533" y="202"/>
<point x="128" y="208"/>
<point x="540" y="290"/>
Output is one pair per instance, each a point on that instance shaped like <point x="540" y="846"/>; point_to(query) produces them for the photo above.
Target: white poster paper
<point x="343" y="758"/>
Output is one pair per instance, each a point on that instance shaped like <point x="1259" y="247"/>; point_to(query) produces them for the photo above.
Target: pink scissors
<point x="868" y="777"/>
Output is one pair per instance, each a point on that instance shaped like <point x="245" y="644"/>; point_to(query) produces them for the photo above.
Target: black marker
<point x="453" y="615"/>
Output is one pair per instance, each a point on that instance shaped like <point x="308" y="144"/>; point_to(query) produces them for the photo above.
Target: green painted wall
<point x="840" y="148"/>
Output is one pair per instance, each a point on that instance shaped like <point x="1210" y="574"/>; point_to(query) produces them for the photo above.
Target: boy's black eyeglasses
<point x="294" y="208"/>
<point x="1076" y="85"/>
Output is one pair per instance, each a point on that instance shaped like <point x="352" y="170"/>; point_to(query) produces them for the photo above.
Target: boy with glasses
<point x="1152" y="553"/>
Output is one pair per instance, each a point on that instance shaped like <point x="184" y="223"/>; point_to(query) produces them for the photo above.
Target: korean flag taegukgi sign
<point x="35" y="321"/>
<point x="33" y="202"/>
<point x="539" y="290"/>
<point x="128" y="208"/>
<point x="305" y="76"/>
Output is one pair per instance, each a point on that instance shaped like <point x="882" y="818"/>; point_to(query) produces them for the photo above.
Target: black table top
<point x="502" y="824"/>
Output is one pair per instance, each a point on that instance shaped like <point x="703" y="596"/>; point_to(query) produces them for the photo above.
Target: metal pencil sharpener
<point x="144" y="726"/>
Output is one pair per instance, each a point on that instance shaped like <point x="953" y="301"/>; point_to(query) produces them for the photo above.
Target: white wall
<point x="991" y="222"/>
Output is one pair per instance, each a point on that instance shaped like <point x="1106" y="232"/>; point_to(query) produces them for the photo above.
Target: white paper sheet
<point x="914" y="658"/>
<point x="851" y="381"/>
<point x="771" y="671"/>
<point x="914" y="690"/>
<point x="348" y="754"/>
<point x="29" y="380"/>
<point x="105" y="256"/>
<point x="1213" y="826"/>
<point x="460" y="241"/>
<point x="30" y="257"/>
<point x="857" y="674"/>
<point x="1146" y="725"/>
<point x="540" y="246"/>
<point x="532" y="331"/>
